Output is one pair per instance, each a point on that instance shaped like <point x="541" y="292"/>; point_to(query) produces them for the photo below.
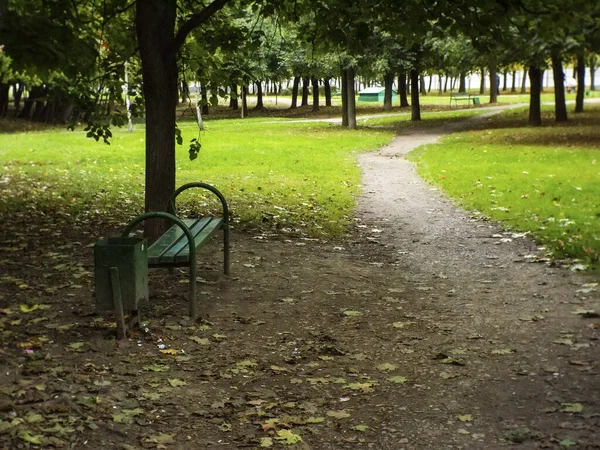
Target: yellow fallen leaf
<point x="169" y="351"/>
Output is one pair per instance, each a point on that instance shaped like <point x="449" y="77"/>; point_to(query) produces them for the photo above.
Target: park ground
<point x="426" y="328"/>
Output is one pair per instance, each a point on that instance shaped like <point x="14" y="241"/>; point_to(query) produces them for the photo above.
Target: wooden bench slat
<point x="172" y="247"/>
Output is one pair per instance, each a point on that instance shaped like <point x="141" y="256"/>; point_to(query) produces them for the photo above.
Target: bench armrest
<point x="172" y="209"/>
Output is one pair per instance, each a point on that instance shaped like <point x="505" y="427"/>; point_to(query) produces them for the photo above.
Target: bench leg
<point x="226" y="249"/>
<point x="118" y="302"/>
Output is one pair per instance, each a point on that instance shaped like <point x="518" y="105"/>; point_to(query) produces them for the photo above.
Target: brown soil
<point x="425" y="328"/>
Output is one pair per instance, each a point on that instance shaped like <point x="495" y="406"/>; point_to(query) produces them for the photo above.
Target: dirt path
<point x="515" y="317"/>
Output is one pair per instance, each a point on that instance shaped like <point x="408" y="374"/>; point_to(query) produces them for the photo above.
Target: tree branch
<point x="195" y="21"/>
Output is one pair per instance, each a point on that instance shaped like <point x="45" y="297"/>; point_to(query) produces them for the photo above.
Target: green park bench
<point x="458" y="96"/>
<point x="177" y="247"/>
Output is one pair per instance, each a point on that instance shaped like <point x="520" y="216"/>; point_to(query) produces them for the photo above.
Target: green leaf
<point x="465" y="418"/>
<point x="398" y="379"/>
<point x="567" y="443"/>
<point x="342" y="414"/>
<point x="288" y="437"/>
<point x="198" y="340"/>
<point x="363" y="387"/>
<point x="315" y="420"/>
<point x="386" y="367"/>
<point x="266" y="442"/>
<point x="571" y="407"/>
<point x="31" y="439"/>
<point x="76" y="345"/>
<point x="176" y="382"/>
<point x="352" y="313"/>
<point x="362" y="428"/>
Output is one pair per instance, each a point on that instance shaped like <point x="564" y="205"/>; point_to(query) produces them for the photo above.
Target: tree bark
<point x="4" y="88"/>
<point x="505" y="81"/>
<point x="259" y="96"/>
<point x="327" y="88"/>
<point x="388" y="81"/>
<point x="295" y="93"/>
<point x="560" y="107"/>
<point x="155" y="27"/>
<point x="351" y="99"/>
<point x="344" y="88"/>
<point x="482" y="83"/>
<point x="305" y="82"/>
<point x="535" y="93"/>
<point x="204" y="97"/>
<point x="233" y="99"/>
<point x="462" y="84"/>
<point x="493" y="85"/>
<point x="422" y="89"/>
<point x="415" y="110"/>
<point x="402" y="90"/>
<point x="513" y="87"/>
<point x="315" y="89"/>
<point x="580" y="83"/>
<point x="244" y="98"/>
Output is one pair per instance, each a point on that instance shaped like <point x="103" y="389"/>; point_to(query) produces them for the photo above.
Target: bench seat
<point x="172" y="248"/>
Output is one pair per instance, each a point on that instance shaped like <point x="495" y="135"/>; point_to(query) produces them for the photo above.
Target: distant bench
<point x="177" y="247"/>
<point x="458" y="96"/>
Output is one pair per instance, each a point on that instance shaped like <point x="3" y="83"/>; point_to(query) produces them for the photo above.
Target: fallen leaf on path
<point x="386" y="367"/>
<point x="288" y="437"/>
<point x="571" y="407"/>
<point x="362" y="428"/>
<point x="398" y="379"/>
<point x="465" y="418"/>
<point x="342" y="414"/>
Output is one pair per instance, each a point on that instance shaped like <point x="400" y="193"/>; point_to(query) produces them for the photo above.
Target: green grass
<point x="297" y="175"/>
<point x="542" y="180"/>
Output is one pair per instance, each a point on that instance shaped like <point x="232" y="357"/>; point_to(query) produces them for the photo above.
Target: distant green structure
<point x="373" y="94"/>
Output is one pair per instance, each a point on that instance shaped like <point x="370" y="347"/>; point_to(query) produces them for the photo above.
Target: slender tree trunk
<point x="315" y="89"/>
<point x="524" y="82"/>
<point x="446" y="84"/>
<point x="462" y="84"/>
<point x="244" y="95"/>
<point x="295" y="92"/>
<point x="580" y="83"/>
<point x="155" y="27"/>
<point x="388" y="81"/>
<point x="493" y="85"/>
<point x="233" y="99"/>
<point x="513" y="87"/>
<point x="305" y="82"/>
<point x="327" y="89"/>
<point x="440" y="87"/>
<point x="402" y="88"/>
<point x="259" y="96"/>
<point x="422" y="89"/>
<point x="4" y="89"/>
<point x="344" y="87"/>
<point x="535" y="91"/>
<point x="482" y="84"/>
<point x="592" y="73"/>
<point x="505" y="81"/>
<point x="351" y="100"/>
<point x="430" y="82"/>
<point x="560" y="107"/>
<point x="204" y="106"/>
<point x="415" y="111"/>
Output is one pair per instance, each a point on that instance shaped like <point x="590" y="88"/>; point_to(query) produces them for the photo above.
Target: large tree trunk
<point x="494" y="83"/>
<point x="351" y="99"/>
<point x="259" y="96"/>
<point x="155" y="26"/>
<point x="388" y="81"/>
<point x="327" y="88"/>
<point x="560" y="107"/>
<point x="402" y="90"/>
<point x="305" y="83"/>
<point x="580" y="83"/>
<point x="415" y="109"/>
<point x="344" y="88"/>
<point x="315" y="88"/>
<point x="295" y="93"/>
<point x="462" y="84"/>
<point x="535" y="93"/>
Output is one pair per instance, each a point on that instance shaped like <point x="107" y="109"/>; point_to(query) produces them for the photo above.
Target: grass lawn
<point x="298" y="175"/>
<point x="542" y="180"/>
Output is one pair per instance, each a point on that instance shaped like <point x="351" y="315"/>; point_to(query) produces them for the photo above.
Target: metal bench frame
<point x="171" y="250"/>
